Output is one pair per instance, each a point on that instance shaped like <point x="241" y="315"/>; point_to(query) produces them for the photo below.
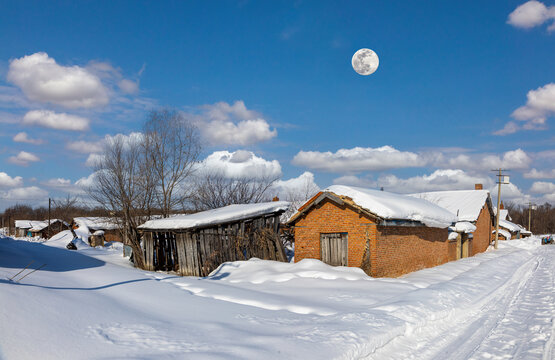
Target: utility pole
<point x="49" y="204"/>
<point x="530" y="208"/>
<point x="501" y="179"/>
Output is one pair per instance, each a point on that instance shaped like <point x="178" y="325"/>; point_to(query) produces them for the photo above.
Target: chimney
<point x="478" y="187"/>
<point x="501" y="206"/>
<point x="275" y="198"/>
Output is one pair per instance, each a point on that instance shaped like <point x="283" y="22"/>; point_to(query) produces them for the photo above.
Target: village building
<point x="196" y="244"/>
<point x="472" y="233"/>
<point x="384" y="234"/>
<point x="101" y="229"/>
<point x="32" y="228"/>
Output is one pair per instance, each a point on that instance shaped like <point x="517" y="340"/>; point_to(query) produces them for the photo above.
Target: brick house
<point x="384" y="234"/>
<point x="476" y="218"/>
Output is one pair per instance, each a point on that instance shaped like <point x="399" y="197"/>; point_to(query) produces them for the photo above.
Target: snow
<point x="466" y="204"/>
<point x="395" y="206"/>
<point x="463" y="227"/>
<point x="27" y="224"/>
<point x="505" y="233"/>
<point x="97" y="223"/>
<point x="506" y="224"/>
<point x="216" y="216"/>
<point x="90" y="303"/>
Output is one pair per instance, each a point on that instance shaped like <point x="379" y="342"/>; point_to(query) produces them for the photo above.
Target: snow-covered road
<point x="90" y="304"/>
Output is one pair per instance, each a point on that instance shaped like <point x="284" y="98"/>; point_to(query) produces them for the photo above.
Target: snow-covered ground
<point x="91" y="304"/>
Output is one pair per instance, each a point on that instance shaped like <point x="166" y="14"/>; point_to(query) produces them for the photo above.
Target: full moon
<point x="365" y="61"/>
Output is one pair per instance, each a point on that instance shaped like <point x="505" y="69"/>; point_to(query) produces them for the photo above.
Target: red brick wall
<point x="403" y="249"/>
<point x="394" y="250"/>
<point x="482" y="235"/>
<point x="328" y="217"/>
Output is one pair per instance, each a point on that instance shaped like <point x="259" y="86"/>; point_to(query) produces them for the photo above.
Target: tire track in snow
<point x="527" y="329"/>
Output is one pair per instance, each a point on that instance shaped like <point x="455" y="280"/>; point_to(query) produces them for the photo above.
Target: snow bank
<point x="256" y="271"/>
<point x="97" y="223"/>
<point x="216" y="216"/>
<point x="392" y="206"/>
<point x="466" y="204"/>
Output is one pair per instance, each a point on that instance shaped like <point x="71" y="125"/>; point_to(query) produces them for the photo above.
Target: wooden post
<point x="149" y="250"/>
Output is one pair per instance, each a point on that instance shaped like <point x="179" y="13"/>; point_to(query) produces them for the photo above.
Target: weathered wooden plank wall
<point x="199" y="251"/>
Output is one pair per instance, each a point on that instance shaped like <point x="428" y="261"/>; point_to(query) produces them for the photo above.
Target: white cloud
<point x="60" y="121"/>
<point x="8" y="181"/>
<point x="540" y="174"/>
<point x="24" y="138"/>
<point x="225" y="124"/>
<point x="32" y="193"/>
<point x="300" y="188"/>
<point x="352" y="180"/>
<point x="93" y="160"/>
<point x="42" y="79"/>
<point x="439" y="180"/>
<point x="64" y="185"/>
<point x="539" y="106"/>
<point x="128" y="86"/>
<point x="85" y="147"/>
<point x="530" y="14"/>
<point x="240" y="164"/>
<point x="510" y="192"/>
<point x="23" y="158"/>
<point x="513" y="160"/>
<point x="86" y="182"/>
<point x="542" y="187"/>
<point x="358" y="159"/>
<point x="510" y="128"/>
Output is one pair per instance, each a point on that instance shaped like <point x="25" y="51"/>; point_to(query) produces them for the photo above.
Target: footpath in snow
<point x="91" y="304"/>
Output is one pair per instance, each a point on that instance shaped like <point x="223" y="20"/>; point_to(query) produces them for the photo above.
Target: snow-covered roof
<point x="505" y="233"/>
<point x="463" y="227"/>
<point x="523" y="230"/>
<point x="26" y="224"/>
<point x="40" y="225"/>
<point x="35" y="225"/>
<point x="466" y="204"/>
<point x="506" y="224"/>
<point x="97" y="223"/>
<point x="392" y="206"/>
<point x="216" y="216"/>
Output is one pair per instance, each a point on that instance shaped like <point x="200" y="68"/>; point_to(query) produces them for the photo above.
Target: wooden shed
<point x="196" y="244"/>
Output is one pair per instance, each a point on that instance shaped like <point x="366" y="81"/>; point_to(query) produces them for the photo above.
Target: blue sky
<point x="462" y="87"/>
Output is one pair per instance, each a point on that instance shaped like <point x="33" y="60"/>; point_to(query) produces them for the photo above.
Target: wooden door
<point x="459" y="246"/>
<point x="465" y="252"/>
<point x="333" y="249"/>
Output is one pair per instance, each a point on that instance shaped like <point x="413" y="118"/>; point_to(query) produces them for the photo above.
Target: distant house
<point x="476" y="217"/>
<point x="22" y="227"/>
<point x="45" y="230"/>
<point x="196" y="244"/>
<point x="106" y="229"/>
<point x="31" y="228"/>
<point x="383" y="233"/>
<point x="503" y="234"/>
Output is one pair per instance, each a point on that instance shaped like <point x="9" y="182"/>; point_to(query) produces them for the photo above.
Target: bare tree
<point x="213" y="190"/>
<point x="297" y="196"/>
<point x="122" y="186"/>
<point x="172" y="147"/>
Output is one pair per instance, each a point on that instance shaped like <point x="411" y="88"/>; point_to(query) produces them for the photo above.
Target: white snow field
<point x="91" y="304"/>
